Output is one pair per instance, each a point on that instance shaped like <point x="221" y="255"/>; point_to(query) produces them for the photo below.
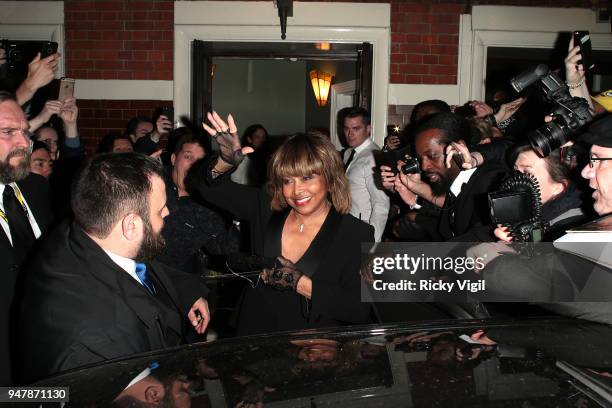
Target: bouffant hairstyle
<point x="304" y="155"/>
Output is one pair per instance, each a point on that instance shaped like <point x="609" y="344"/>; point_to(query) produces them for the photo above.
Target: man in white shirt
<point x="370" y="202"/>
<point x="92" y="289"/>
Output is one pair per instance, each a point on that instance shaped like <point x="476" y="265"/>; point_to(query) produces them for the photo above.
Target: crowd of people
<point x="107" y="256"/>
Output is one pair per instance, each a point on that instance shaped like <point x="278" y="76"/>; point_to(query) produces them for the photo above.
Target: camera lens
<point x="548" y="137"/>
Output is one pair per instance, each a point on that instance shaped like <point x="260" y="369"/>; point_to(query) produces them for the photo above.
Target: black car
<point x="469" y="363"/>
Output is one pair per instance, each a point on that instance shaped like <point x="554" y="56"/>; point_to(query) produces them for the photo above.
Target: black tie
<point x="349" y="159"/>
<point x="21" y="230"/>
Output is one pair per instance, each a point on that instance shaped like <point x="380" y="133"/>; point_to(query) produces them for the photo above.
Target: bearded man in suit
<point x="24" y="214"/>
<point x="93" y="292"/>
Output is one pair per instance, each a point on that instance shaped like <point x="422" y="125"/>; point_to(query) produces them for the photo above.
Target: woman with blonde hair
<point x="302" y="220"/>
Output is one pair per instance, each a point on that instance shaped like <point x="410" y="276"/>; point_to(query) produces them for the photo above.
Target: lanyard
<point x="21" y="201"/>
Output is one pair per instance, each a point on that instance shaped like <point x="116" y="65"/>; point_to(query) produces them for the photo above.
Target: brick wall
<point x="424" y="43"/>
<point x="425" y="36"/>
<point x="125" y="39"/>
<point x="119" y="39"/>
<point x="99" y="117"/>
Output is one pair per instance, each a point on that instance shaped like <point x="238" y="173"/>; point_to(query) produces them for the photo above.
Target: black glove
<point x="284" y="277"/>
<point x="230" y="148"/>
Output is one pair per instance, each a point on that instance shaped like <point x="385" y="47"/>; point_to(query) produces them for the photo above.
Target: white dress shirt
<point x="370" y="202"/>
<point x="5" y="225"/>
<point x="127" y="264"/>
<point x="462" y="178"/>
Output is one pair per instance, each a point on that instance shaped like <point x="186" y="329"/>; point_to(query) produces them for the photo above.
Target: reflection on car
<point x="539" y="363"/>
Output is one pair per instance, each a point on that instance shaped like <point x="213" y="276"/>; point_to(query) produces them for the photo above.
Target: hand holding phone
<point x="582" y="39"/>
<point x="165" y="121"/>
<point x="66" y="89"/>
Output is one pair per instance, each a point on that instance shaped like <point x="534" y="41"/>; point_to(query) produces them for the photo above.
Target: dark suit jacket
<point x="334" y="269"/>
<point x="79" y="307"/>
<point x="463" y="220"/>
<point x="35" y="190"/>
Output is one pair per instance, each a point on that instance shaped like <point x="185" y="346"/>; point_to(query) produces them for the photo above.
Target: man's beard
<point x="10" y="173"/>
<point x="440" y="187"/>
<point x="152" y="244"/>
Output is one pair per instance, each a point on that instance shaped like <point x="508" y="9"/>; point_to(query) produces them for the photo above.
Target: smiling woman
<point x="302" y="220"/>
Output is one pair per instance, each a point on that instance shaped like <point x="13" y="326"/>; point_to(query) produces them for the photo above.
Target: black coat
<point x="332" y="261"/>
<point x="79" y="307"/>
<point x="35" y="190"/>
<point x="464" y="219"/>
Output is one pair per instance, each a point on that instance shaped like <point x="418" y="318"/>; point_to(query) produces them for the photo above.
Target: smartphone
<point x="390" y="158"/>
<point x="583" y="39"/>
<point x="66" y="89"/>
<point x="23" y="52"/>
<point x="48" y="48"/>
<point x="168" y="112"/>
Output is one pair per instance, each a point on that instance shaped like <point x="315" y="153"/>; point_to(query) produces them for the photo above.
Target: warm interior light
<point x="323" y="46"/>
<point x="321" y="82"/>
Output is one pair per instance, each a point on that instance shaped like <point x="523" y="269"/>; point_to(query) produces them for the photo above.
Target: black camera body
<point x="570" y="113"/>
<point x="518" y="206"/>
<point x="20" y="53"/>
<point x="411" y="166"/>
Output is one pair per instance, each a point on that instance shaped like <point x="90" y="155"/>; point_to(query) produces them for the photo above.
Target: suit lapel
<point x="131" y="292"/>
<point x="136" y="297"/>
<point x="4" y="241"/>
<point x="174" y="320"/>
<point x="38" y="204"/>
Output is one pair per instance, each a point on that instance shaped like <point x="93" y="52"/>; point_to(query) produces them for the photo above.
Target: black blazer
<point x="35" y="190"/>
<point x="464" y="219"/>
<point x="79" y="307"/>
<point x="332" y="261"/>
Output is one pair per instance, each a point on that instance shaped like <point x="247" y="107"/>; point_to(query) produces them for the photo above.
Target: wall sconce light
<point x="321" y="83"/>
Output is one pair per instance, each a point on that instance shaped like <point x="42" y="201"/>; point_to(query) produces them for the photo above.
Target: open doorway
<point x="269" y="83"/>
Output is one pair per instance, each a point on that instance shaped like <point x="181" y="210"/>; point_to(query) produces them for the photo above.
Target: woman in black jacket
<point x="302" y="220"/>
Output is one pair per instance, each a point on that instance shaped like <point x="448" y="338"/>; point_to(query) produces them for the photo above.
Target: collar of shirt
<point x="362" y="146"/>
<point x="127" y="264"/>
<point x="462" y="178"/>
<point x="4" y="224"/>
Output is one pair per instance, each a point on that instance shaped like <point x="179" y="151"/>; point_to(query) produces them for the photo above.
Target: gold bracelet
<point x="575" y="85"/>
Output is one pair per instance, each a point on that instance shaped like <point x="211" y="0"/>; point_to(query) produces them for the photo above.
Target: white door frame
<point x="248" y="21"/>
<point x="34" y="20"/>
<point x="518" y="27"/>
<point x="338" y="94"/>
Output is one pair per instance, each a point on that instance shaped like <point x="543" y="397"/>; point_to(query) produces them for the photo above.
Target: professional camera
<point x="20" y="53"/>
<point x="569" y="113"/>
<point x="412" y="166"/>
<point x="518" y="206"/>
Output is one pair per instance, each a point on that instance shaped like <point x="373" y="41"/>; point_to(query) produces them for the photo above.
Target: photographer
<point x="561" y="275"/>
<point x="562" y="203"/>
<point x="464" y="191"/>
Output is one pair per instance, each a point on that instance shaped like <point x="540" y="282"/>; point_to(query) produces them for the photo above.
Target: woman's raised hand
<point x="226" y="135"/>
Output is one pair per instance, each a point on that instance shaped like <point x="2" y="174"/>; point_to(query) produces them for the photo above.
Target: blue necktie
<point x="141" y="272"/>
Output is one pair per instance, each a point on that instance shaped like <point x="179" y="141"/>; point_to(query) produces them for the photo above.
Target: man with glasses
<point x="24" y="213"/>
<point x="599" y="169"/>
